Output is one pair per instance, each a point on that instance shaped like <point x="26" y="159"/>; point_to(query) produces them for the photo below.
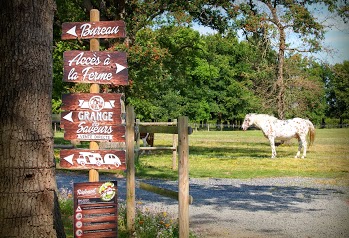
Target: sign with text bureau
<point x="93" y="117"/>
<point x="95" y="209"/>
<point x="89" y="30"/>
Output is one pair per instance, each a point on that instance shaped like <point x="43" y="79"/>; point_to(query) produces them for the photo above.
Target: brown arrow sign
<point x="100" y="67"/>
<point x="93" y="117"/>
<point x="89" y="159"/>
<point x="89" y="30"/>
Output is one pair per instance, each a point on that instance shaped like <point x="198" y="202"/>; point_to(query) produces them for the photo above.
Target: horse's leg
<point x="272" y="145"/>
<point x="305" y="145"/>
<point x="302" y="141"/>
<point x="299" y="148"/>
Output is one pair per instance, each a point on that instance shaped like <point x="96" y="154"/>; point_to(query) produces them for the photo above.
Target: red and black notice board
<point x="95" y="209"/>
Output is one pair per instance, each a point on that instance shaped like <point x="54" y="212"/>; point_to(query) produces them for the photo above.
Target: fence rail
<point x="232" y="127"/>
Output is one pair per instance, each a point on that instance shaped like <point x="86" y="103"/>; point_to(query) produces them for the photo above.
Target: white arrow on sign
<point x="119" y="67"/>
<point x="69" y="159"/>
<point x="72" y="31"/>
<point x="69" y="117"/>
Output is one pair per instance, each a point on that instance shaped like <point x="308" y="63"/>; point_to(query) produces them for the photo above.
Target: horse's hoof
<point x="303" y="157"/>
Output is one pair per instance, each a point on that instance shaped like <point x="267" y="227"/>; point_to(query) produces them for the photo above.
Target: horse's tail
<point x="311" y="132"/>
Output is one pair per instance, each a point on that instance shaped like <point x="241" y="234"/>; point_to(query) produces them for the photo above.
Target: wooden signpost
<point x="94" y="117"/>
<point x="95" y="209"/>
<point x="98" y="117"/>
<point x="101" y="67"/>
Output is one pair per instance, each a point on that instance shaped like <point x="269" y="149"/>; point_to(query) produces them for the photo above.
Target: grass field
<point x="239" y="154"/>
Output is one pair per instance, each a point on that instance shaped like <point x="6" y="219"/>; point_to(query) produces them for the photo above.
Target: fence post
<point x="183" y="177"/>
<point x="137" y="138"/>
<point x="130" y="173"/>
<point x="174" y="150"/>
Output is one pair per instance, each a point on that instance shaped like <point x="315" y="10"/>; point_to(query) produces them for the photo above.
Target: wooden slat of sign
<point x="96" y="209"/>
<point x="93" y="159"/>
<point x="100" y="67"/>
<point x="91" y="101"/>
<point x="102" y="117"/>
<point x="158" y="129"/>
<point x="89" y="30"/>
<point x="85" y="132"/>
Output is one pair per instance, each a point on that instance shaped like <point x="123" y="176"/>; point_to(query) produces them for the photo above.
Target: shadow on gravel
<point x="246" y="197"/>
<point x="250" y="198"/>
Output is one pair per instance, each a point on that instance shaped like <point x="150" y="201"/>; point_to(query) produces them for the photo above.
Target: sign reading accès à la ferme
<point x="95" y="209"/>
<point x="100" y="67"/>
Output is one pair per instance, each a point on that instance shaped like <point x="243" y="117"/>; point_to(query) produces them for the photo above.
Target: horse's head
<point x="248" y="121"/>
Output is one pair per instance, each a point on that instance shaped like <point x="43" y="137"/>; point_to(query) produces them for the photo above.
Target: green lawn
<point x="239" y="154"/>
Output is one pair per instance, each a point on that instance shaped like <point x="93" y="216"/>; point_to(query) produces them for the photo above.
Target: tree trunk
<point x="280" y="75"/>
<point x="280" y="85"/>
<point x="28" y="199"/>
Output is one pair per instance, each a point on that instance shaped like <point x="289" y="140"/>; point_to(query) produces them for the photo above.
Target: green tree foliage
<point x="305" y="95"/>
<point x="338" y="91"/>
<point x="173" y="70"/>
<point x="274" y="21"/>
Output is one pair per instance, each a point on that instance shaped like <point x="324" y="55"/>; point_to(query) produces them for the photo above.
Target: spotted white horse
<point x="274" y="128"/>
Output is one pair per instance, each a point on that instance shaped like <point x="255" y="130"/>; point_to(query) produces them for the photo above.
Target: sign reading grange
<point x="94" y="116"/>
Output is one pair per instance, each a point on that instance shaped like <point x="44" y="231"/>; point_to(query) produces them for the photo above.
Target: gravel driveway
<point x="273" y="207"/>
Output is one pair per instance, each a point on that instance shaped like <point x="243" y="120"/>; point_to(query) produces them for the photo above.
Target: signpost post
<point x="94" y="88"/>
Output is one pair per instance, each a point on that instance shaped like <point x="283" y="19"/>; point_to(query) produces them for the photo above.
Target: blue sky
<point x="336" y="43"/>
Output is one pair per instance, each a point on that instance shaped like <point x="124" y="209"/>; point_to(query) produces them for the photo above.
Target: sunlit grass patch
<point x="238" y="154"/>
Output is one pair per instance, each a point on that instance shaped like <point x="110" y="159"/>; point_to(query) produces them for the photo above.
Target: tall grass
<point x="239" y="154"/>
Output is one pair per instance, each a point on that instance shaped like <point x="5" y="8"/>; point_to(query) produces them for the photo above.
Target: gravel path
<point x="273" y="207"/>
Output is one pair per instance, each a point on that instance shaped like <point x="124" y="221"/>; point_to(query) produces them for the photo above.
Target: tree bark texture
<point x="28" y="200"/>
<point x="280" y="84"/>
